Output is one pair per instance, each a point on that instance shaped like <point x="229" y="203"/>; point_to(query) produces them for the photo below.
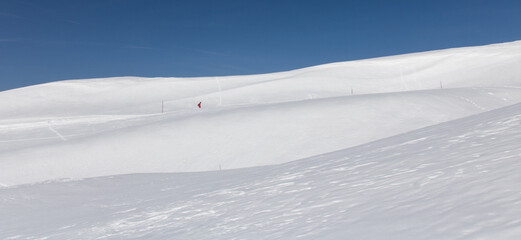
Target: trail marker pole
<point x="219" y="167"/>
<point x="220" y="95"/>
<point x="401" y="73"/>
<point x="441" y="86"/>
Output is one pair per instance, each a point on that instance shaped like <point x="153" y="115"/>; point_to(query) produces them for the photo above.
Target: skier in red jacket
<point x="199" y="104"/>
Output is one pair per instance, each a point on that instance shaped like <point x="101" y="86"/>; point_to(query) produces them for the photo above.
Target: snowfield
<point x="416" y="146"/>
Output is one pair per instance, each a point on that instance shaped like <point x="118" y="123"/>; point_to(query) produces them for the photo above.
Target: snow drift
<point x="99" y="127"/>
<point x="457" y="180"/>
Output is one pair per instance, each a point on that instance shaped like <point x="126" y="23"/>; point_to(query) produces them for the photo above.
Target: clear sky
<point x="51" y="40"/>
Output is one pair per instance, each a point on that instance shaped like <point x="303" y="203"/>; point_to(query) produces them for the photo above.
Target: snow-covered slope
<point x="99" y="127"/>
<point x="457" y="180"/>
<point x="483" y="66"/>
<point x="240" y="137"/>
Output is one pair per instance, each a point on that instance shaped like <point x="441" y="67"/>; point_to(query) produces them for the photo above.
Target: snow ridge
<point x="416" y="146"/>
<point x="456" y="180"/>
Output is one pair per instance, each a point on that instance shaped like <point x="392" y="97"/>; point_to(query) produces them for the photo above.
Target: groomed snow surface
<point x="417" y="146"/>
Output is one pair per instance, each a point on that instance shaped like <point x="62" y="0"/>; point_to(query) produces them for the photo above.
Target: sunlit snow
<point x="417" y="146"/>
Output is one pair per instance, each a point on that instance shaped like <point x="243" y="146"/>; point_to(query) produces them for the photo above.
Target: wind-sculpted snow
<point x="457" y="180"/>
<point x="135" y="158"/>
<point x="226" y="138"/>
<point x="101" y="127"/>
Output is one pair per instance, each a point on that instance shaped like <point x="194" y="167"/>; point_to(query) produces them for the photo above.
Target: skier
<point x="199" y="104"/>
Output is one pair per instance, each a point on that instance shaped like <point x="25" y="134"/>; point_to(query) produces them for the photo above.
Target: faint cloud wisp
<point x="140" y="47"/>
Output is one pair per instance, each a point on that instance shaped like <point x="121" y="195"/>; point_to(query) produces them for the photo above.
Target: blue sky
<point x="43" y="41"/>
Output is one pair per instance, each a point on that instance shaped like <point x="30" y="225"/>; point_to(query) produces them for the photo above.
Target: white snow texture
<point x="415" y="146"/>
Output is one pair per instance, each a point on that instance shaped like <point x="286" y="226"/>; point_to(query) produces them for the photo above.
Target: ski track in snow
<point x="57" y="133"/>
